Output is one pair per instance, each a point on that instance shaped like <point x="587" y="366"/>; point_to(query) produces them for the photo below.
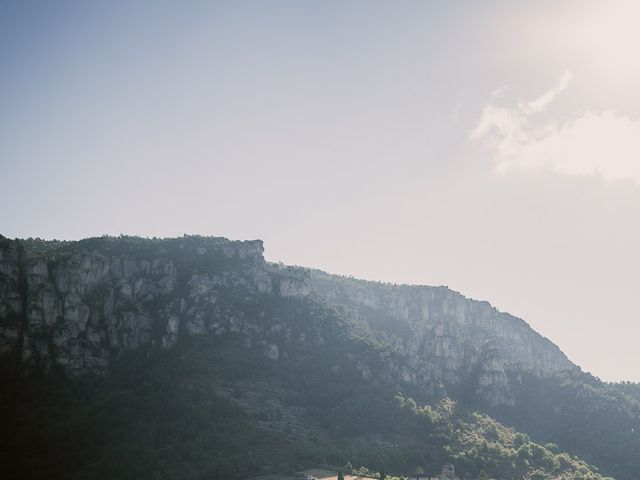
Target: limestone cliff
<point x="76" y="306"/>
<point x="461" y="338"/>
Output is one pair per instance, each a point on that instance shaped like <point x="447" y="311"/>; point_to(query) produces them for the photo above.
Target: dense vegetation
<point x="215" y="409"/>
<point x="593" y="419"/>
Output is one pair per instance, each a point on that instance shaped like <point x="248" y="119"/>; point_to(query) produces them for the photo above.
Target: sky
<point x="493" y="146"/>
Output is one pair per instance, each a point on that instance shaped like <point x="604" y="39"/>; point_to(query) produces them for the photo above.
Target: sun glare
<point x="608" y="34"/>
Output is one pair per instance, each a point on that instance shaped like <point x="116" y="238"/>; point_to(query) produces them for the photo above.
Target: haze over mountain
<point x="193" y="357"/>
<point x="490" y="146"/>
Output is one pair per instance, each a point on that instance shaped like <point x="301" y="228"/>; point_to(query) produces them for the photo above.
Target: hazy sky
<point x="487" y="146"/>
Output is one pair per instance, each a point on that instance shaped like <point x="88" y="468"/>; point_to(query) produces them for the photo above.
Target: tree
<point x="340" y="476"/>
<point x="538" y="475"/>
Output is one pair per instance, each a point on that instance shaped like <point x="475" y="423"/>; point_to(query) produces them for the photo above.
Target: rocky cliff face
<point x="78" y="305"/>
<point x="462" y="339"/>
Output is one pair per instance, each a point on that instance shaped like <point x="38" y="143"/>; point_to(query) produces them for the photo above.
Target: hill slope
<point x="195" y="358"/>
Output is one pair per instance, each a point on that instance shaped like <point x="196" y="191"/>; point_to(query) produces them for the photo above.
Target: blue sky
<point x="489" y="146"/>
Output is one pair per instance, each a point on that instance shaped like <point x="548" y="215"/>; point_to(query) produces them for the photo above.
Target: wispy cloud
<point x="541" y="103"/>
<point x="498" y="91"/>
<point x="590" y="143"/>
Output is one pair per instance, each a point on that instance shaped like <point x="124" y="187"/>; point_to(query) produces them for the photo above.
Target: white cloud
<point x="541" y="103"/>
<point x="498" y="91"/>
<point x="590" y="143"/>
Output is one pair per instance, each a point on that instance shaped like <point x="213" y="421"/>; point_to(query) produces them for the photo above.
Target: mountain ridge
<point x="83" y="308"/>
<point x="58" y="302"/>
